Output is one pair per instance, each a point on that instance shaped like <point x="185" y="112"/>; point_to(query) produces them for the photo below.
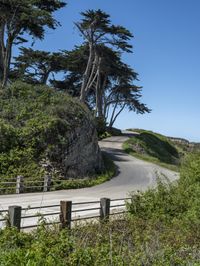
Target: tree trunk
<point x="103" y="96"/>
<point x="2" y="50"/>
<point x="99" y="93"/>
<point x="45" y="78"/>
<point x="6" y="61"/>
<point x="86" y="75"/>
<point x="99" y="101"/>
<point x="115" y="117"/>
<point x="106" y="112"/>
<point x="113" y="113"/>
<point x="93" y="75"/>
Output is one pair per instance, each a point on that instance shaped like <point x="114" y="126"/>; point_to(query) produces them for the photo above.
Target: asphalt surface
<point x="132" y="175"/>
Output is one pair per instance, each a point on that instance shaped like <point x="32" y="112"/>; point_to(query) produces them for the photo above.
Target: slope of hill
<point x="45" y="131"/>
<point x="157" y="148"/>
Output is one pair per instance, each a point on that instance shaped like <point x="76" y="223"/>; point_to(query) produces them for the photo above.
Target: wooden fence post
<point x="20" y="184"/>
<point x="66" y="214"/>
<point x="104" y="209"/>
<point x="14" y="213"/>
<point x="47" y="183"/>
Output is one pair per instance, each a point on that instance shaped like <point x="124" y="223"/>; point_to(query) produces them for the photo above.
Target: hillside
<point x="45" y="132"/>
<point x="157" y="148"/>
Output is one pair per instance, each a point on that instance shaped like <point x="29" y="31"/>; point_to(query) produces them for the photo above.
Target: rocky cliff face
<point x="81" y="156"/>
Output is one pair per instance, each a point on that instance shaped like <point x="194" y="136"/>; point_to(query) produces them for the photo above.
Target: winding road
<point x="133" y="174"/>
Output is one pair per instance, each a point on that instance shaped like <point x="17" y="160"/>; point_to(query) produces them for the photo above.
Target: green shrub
<point x="8" y="136"/>
<point x="113" y="131"/>
<point x="35" y="124"/>
<point x="100" y="126"/>
<point x="172" y="202"/>
<point x="190" y="171"/>
<point x="109" y="132"/>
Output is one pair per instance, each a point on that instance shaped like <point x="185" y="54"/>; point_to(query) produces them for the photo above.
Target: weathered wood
<point x="47" y="183"/>
<point x="14" y="213"/>
<point x="66" y="214"/>
<point x="20" y="184"/>
<point x="104" y="209"/>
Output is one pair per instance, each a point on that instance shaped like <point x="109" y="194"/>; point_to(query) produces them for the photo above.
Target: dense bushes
<point x="162" y="228"/>
<point x="169" y="201"/>
<point x="172" y="210"/>
<point x="35" y="122"/>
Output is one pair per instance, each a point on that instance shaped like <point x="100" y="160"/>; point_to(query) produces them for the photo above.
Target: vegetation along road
<point x="132" y="174"/>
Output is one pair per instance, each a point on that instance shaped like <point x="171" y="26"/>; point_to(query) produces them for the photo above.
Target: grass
<point x="155" y="148"/>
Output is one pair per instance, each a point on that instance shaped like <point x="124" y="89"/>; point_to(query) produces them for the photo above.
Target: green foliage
<point x="8" y="136"/>
<point x="120" y="242"/>
<point x="155" y="148"/>
<point x="173" y="204"/>
<point x="190" y="170"/>
<point x="35" y="124"/>
<point x="114" y="131"/>
<point x="162" y="228"/>
<point x="35" y="67"/>
<point x="21" y="17"/>
<point x="98" y="23"/>
<point x="109" y="131"/>
<point x="100" y="126"/>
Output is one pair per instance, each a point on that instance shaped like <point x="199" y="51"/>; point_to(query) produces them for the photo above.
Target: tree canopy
<point x="34" y="66"/>
<point x="18" y="17"/>
<point x="93" y="71"/>
<point x="96" y="29"/>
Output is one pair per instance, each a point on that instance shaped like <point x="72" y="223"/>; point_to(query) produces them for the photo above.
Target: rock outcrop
<point x="81" y="155"/>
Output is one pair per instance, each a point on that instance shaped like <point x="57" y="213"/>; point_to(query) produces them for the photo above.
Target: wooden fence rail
<point x="19" y="185"/>
<point x="65" y="213"/>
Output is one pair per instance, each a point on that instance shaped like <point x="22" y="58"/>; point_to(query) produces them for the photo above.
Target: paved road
<point x="133" y="174"/>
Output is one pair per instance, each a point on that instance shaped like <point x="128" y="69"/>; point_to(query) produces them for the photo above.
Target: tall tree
<point x="113" y="89"/>
<point x="96" y="28"/>
<point x="18" y="17"/>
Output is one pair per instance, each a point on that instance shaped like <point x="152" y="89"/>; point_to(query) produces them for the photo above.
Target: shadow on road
<point x="116" y="154"/>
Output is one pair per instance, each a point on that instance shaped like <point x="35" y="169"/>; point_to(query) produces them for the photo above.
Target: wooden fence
<point x="23" y="185"/>
<point x="19" y="185"/>
<point x="64" y="213"/>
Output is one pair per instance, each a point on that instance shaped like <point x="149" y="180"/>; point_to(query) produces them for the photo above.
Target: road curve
<point x="133" y="174"/>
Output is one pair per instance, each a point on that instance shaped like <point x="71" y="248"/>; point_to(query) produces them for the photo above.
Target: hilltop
<point x="45" y="131"/>
<point x="157" y="148"/>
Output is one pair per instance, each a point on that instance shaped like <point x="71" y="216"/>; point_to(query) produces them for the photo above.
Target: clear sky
<point x="166" y="55"/>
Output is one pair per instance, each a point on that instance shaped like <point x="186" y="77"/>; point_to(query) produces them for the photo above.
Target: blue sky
<point x="166" y="55"/>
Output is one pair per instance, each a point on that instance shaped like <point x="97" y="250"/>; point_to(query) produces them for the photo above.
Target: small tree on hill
<point x="36" y="66"/>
